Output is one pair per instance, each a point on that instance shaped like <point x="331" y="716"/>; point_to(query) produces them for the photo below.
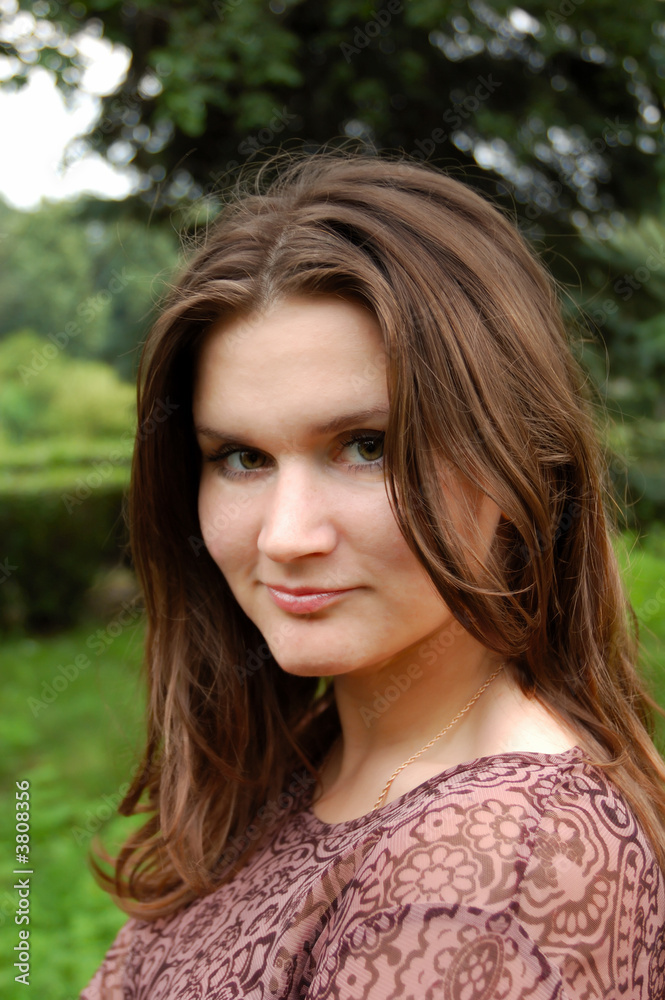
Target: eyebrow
<point x="329" y="427"/>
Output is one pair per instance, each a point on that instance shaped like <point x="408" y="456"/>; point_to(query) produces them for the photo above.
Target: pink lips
<point x="303" y="603"/>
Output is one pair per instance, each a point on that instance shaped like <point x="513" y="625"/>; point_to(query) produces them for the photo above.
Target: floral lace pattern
<point x="520" y="876"/>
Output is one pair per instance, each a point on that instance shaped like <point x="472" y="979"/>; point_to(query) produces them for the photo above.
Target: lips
<point x="302" y="600"/>
<point x="299" y="591"/>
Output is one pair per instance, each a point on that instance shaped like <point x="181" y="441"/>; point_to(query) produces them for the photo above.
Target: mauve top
<point x="519" y="876"/>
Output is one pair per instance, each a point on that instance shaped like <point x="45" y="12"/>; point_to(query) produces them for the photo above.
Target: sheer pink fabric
<point x="519" y="876"/>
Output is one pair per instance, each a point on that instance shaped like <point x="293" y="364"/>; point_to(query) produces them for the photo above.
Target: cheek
<point x="225" y="524"/>
<point x="378" y="536"/>
<point x="388" y="542"/>
<point x="402" y="575"/>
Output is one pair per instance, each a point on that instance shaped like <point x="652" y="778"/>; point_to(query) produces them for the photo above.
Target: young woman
<point x="397" y="745"/>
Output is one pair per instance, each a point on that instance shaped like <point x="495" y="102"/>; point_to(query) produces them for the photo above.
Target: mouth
<point x="303" y="601"/>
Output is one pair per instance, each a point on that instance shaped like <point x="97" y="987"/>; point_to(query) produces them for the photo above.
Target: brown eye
<point x="372" y="445"/>
<point x="246" y="468"/>
<point x="255" y="457"/>
<point x="370" y="449"/>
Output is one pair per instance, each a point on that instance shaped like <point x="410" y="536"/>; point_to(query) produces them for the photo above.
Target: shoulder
<point x="122" y="974"/>
<point x="524" y="810"/>
<point x="467" y="835"/>
<point x="543" y="845"/>
<point x="109" y="981"/>
<point x="533" y="789"/>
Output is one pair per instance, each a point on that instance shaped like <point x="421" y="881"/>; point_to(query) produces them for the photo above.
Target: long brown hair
<point x="482" y="376"/>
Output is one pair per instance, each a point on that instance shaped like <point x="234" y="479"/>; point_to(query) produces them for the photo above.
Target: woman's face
<point x="295" y="504"/>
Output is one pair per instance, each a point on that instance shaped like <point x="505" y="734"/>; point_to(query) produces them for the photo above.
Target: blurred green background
<point x="554" y="110"/>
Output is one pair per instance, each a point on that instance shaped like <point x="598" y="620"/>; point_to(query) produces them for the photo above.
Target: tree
<point x="85" y="281"/>
<point x="555" y="111"/>
<point x="560" y="105"/>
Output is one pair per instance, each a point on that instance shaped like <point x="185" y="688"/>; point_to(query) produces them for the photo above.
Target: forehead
<point x="304" y="352"/>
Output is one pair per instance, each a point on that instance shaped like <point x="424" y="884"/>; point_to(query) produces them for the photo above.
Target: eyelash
<point x="231" y="449"/>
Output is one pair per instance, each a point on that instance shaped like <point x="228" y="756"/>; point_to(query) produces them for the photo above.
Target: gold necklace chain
<point x="469" y="705"/>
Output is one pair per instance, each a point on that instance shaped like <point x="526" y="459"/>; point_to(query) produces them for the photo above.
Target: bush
<point x="56" y="547"/>
<point x="66" y="438"/>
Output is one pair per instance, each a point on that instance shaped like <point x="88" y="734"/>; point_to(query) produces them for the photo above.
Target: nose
<point x="296" y="518"/>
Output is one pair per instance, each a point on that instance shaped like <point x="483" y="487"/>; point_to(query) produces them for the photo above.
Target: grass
<point x="76" y="739"/>
<point x="76" y="751"/>
<point x="643" y="565"/>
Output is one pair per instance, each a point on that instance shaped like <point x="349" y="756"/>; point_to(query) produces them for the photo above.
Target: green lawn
<point x="76" y="752"/>
<point x="643" y="564"/>
<point x="78" y="749"/>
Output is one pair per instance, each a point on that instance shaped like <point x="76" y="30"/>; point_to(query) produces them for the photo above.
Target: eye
<point x="245" y="469"/>
<point x="372" y="443"/>
<point x="253" y="462"/>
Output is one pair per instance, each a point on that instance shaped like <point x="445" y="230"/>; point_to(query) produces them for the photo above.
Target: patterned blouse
<point x="519" y="876"/>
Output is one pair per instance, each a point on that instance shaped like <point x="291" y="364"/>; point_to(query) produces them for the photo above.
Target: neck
<point x="389" y="713"/>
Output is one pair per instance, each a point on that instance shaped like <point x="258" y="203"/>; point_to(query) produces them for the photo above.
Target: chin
<point x="308" y="667"/>
<point x="313" y="659"/>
